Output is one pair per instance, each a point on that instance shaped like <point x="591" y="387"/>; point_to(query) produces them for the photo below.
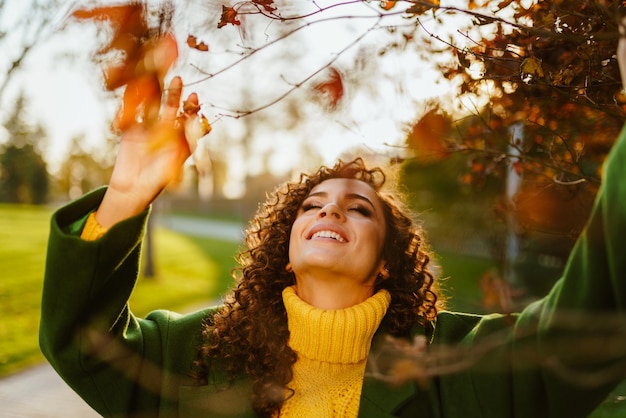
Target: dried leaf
<point x="532" y="66"/>
<point x="268" y="5"/>
<point x="504" y="3"/>
<point x="388" y="5"/>
<point x="229" y="15"/>
<point x="129" y="32"/>
<point x="192" y="41"/>
<point x="428" y="137"/>
<point x="332" y="88"/>
<point x="146" y="59"/>
<point x="422" y="7"/>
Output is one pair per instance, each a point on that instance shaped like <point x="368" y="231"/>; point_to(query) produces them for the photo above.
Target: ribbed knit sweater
<point x="332" y="348"/>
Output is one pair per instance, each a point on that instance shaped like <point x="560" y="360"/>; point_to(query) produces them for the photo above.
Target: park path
<point x="40" y="393"/>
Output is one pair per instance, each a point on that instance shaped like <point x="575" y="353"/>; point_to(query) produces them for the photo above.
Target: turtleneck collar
<point x="334" y="336"/>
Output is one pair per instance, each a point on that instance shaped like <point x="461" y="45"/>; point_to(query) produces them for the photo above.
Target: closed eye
<point x="308" y="206"/>
<point x="365" y="211"/>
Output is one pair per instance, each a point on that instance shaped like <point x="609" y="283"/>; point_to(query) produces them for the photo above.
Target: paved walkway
<point x="227" y="231"/>
<point x="40" y="393"/>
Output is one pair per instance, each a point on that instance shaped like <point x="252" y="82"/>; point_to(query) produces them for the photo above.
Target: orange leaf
<point x="146" y="59"/>
<point x="388" y="5"/>
<point x="206" y="126"/>
<point x="422" y="7"/>
<point x="129" y="28"/>
<point x="117" y="15"/>
<point x="429" y="135"/>
<point x="229" y="15"/>
<point x="332" y="88"/>
<point x="192" y="41"/>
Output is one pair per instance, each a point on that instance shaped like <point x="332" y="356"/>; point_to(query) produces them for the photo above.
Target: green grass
<point x="188" y="272"/>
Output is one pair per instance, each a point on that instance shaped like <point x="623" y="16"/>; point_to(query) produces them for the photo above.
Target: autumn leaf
<point x="422" y="7"/>
<point x="331" y="89"/>
<point x="146" y="57"/>
<point x="268" y="5"/>
<point x="129" y="30"/>
<point x="388" y="5"/>
<point x="229" y="15"/>
<point x="428" y="136"/>
<point x="192" y="41"/>
<point x="532" y="66"/>
<point x="504" y="4"/>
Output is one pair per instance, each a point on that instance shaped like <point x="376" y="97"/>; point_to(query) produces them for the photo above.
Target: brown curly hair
<point x="249" y="334"/>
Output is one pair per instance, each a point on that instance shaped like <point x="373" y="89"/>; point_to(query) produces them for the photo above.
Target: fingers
<point x="172" y="99"/>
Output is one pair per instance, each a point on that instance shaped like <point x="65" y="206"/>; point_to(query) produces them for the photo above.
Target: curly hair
<point x="249" y="334"/>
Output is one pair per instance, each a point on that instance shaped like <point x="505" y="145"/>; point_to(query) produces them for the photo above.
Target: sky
<point x="67" y="98"/>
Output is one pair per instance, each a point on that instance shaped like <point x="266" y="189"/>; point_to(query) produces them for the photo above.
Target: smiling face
<point x="339" y="233"/>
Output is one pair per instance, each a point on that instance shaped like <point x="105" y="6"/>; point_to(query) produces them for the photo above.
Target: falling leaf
<point x="429" y="135"/>
<point x="331" y="89"/>
<point x="192" y="41"/>
<point x="229" y="15"/>
<point x="147" y="56"/>
<point x="129" y="32"/>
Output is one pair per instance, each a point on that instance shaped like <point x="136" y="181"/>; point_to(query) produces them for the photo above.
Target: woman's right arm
<point x="87" y="331"/>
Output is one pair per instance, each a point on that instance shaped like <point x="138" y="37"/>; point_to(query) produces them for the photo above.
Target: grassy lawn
<point x="188" y="272"/>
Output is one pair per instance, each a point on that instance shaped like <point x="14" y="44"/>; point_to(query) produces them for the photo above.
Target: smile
<point x="328" y="234"/>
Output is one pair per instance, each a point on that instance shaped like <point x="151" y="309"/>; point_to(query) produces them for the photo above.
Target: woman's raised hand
<point x="150" y="156"/>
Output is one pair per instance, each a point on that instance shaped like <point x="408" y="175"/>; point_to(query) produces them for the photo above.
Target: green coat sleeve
<point x="118" y="363"/>
<point x="561" y="356"/>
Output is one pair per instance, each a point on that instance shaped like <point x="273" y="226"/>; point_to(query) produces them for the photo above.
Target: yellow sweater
<point x="332" y="348"/>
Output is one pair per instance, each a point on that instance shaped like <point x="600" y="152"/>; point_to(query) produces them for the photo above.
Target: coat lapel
<point x="379" y="399"/>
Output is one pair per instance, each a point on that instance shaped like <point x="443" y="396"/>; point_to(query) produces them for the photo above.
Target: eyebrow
<point x="349" y="196"/>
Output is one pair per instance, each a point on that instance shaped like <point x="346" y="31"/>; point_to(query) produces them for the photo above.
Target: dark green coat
<point x="543" y="362"/>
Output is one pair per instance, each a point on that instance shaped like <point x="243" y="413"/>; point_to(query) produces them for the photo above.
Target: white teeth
<point x="328" y="234"/>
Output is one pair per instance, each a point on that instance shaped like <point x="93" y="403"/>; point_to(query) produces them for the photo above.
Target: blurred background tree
<point x="23" y="171"/>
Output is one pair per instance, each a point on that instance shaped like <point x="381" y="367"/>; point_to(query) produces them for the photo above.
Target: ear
<point x="383" y="273"/>
<point x="289" y="268"/>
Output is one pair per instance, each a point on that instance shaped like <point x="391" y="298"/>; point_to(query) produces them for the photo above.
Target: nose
<point x="331" y="209"/>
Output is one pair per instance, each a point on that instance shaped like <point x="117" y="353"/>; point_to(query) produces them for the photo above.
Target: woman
<point x="333" y="267"/>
